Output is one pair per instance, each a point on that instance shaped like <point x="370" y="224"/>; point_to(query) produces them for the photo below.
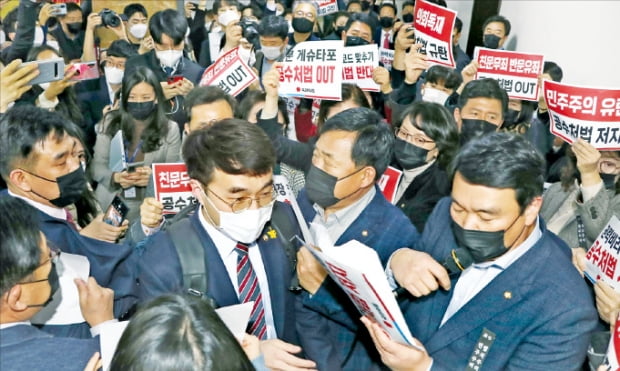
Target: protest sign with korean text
<point x="516" y="72"/>
<point x="230" y="72"/>
<point x="172" y="187"/>
<point x="313" y="69"/>
<point x="326" y="7"/>
<point x="358" y="63"/>
<point x="433" y="29"/>
<point x="591" y="114"/>
<point x="602" y="257"/>
<point x="388" y="183"/>
<point x="386" y="57"/>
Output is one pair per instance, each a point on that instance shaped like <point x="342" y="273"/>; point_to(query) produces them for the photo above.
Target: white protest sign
<point x="313" y="69"/>
<point x="602" y="257"/>
<point x="326" y="7"/>
<point x="386" y="57"/>
<point x="229" y="72"/>
<point x="433" y="29"/>
<point x="358" y="64"/>
<point x="591" y="114"/>
<point x="517" y="73"/>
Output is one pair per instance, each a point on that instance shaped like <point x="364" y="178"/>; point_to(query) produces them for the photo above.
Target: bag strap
<point x="192" y="256"/>
<point x="287" y="230"/>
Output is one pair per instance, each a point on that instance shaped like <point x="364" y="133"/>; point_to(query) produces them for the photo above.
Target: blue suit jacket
<point x="539" y="309"/>
<point x="24" y="347"/>
<point x="160" y="272"/>
<point x="328" y="323"/>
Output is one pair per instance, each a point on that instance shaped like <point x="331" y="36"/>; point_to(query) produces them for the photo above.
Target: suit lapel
<point x="271" y="253"/>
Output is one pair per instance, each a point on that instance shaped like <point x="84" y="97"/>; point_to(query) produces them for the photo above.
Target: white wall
<point x="582" y="36"/>
<point x="463" y="10"/>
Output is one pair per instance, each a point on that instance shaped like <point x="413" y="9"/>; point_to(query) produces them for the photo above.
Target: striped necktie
<point x="249" y="290"/>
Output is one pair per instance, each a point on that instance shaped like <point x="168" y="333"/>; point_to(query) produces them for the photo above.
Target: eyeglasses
<point x="301" y="13"/>
<point x="54" y="256"/>
<point x="609" y="165"/>
<point x="243" y="203"/>
<point x="416" y="139"/>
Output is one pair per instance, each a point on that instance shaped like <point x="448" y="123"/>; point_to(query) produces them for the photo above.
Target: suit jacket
<point x="168" y="151"/>
<point x="328" y="323"/>
<point x="421" y="196"/>
<point x="197" y="31"/>
<point x="24" y="347"/>
<point x="539" y="309"/>
<point x="595" y="213"/>
<point x="160" y="272"/>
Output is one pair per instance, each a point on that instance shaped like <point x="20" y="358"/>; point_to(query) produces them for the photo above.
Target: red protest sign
<point x="591" y="114"/>
<point x="517" y="73"/>
<point x="172" y="187"/>
<point x="326" y="7"/>
<point x="229" y="72"/>
<point x="433" y="29"/>
<point x="388" y="183"/>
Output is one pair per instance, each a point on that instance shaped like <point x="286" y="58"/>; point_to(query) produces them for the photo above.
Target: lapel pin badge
<point x="507" y="295"/>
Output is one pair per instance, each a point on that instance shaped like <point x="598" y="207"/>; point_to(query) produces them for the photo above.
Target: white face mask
<point x="53" y="44"/>
<point x="434" y="96"/>
<point x="228" y="16"/>
<point x="208" y="26"/>
<point x="44" y="85"/>
<point x="138" y="30"/>
<point x="245" y="226"/>
<point x="279" y="12"/>
<point x="169" y="58"/>
<point x="271" y="52"/>
<point x="247" y="55"/>
<point x="113" y="75"/>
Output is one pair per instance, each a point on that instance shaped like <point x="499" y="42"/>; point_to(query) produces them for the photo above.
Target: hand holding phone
<point x="174" y="79"/>
<point x="116" y="212"/>
<point x="49" y="70"/>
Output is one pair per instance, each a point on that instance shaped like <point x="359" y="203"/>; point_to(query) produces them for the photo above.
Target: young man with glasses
<point x="28" y="280"/>
<point x="231" y="165"/>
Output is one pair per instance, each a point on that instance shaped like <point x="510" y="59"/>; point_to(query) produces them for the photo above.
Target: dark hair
<point x="569" y="171"/>
<point x="484" y="88"/>
<point x="458" y="24"/>
<point x="273" y="26"/>
<point x="439" y="2"/>
<point x="19" y="232"/>
<point x="407" y="3"/>
<point x="175" y="332"/>
<point x="445" y="76"/>
<point x="503" y="160"/>
<point x="349" y="92"/>
<point x="362" y="18"/>
<point x="498" y="18"/>
<point x="121" y="49"/>
<point x="437" y="123"/>
<point x="67" y="100"/>
<point x="553" y="70"/>
<point x="358" y="2"/>
<point x="217" y="4"/>
<point x="71" y="7"/>
<point x="388" y="5"/>
<point x="156" y="128"/>
<point x="206" y="95"/>
<point x="375" y="140"/>
<point x="21" y="129"/>
<point x="133" y="8"/>
<point x="169" y="22"/>
<point x="523" y="121"/>
<point x="256" y="96"/>
<point x="231" y="145"/>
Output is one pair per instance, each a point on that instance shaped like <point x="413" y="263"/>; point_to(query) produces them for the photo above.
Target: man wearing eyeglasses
<point x="230" y="165"/>
<point x="304" y="19"/>
<point x="28" y="280"/>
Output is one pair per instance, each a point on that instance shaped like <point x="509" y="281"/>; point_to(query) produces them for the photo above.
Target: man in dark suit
<point x="40" y="164"/>
<point x="28" y="281"/>
<point x="168" y="28"/>
<point x="521" y="304"/>
<point x="230" y="165"/>
<point x="353" y="150"/>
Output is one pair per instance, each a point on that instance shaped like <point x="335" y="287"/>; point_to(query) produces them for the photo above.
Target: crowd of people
<point x="485" y="234"/>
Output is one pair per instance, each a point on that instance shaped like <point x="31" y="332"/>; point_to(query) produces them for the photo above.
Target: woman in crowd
<point x="148" y="136"/>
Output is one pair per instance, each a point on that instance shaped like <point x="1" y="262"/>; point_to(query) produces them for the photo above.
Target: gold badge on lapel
<point x="507" y="295"/>
<point x="272" y="233"/>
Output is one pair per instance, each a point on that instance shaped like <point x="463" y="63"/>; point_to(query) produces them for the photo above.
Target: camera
<point x="109" y="18"/>
<point x="249" y="30"/>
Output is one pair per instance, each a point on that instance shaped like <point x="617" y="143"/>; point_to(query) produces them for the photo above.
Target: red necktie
<point x="70" y="220"/>
<point x="249" y="290"/>
<point x="386" y="41"/>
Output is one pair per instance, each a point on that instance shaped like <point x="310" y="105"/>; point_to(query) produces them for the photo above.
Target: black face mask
<point x="609" y="180"/>
<point x="408" y="18"/>
<point x="386" y="22"/>
<point x="491" y="41"/>
<point x="71" y="187"/>
<point x="141" y="110"/>
<point x="482" y="246"/>
<point x="54" y="282"/>
<point x="338" y="30"/>
<point x="511" y="117"/>
<point x="74" y="27"/>
<point x="409" y="156"/>
<point x="302" y="25"/>
<point x="355" y="41"/>
<point x="365" y="5"/>
<point x="472" y="128"/>
<point x="320" y="186"/>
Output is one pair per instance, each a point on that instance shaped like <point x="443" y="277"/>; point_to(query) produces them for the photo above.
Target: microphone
<point x="458" y="260"/>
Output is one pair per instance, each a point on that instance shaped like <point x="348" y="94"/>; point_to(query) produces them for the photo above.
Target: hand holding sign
<point x="310" y="272"/>
<point x="404" y="39"/>
<point x="151" y="212"/>
<point x="587" y="162"/>
<point x="271" y="80"/>
<point x="607" y="302"/>
<point x="415" y="64"/>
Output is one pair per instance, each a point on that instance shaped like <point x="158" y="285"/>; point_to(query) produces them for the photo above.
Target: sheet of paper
<point x="109" y="337"/>
<point x="64" y="309"/>
<point x="236" y="318"/>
